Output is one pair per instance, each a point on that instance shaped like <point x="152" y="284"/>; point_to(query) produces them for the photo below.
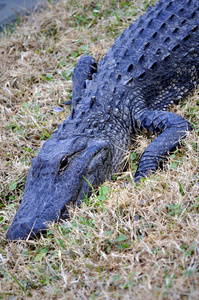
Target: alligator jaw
<point x="48" y="190"/>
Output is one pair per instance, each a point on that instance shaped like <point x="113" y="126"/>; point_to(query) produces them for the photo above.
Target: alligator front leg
<point x="84" y="69"/>
<point x="172" y="129"/>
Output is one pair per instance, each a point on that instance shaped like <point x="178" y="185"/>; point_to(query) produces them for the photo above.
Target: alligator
<point x="153" y="64"/>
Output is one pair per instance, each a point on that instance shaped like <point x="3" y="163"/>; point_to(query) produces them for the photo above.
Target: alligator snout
<point x="27" y="230"/>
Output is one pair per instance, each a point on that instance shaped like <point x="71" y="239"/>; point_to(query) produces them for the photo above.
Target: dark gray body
<point x="150" y="66"/>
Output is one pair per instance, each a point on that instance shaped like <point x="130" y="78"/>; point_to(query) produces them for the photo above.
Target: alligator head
<point x="58" y="177"/>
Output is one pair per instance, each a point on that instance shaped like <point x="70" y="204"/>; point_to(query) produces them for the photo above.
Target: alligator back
<point x="158" y="54"/>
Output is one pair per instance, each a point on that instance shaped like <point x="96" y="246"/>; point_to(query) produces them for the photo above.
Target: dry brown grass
<point x="129" y="242"/>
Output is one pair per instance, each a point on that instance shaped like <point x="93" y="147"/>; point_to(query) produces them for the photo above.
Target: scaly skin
<point x="150" y="66"/>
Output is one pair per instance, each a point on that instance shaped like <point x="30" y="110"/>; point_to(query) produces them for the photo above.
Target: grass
<point x="128" y="241"/>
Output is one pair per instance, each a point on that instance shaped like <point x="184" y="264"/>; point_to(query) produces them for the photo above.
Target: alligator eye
<point x="63" y="163"/>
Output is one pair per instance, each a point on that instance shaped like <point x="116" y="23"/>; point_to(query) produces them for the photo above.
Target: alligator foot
<point x="172" y="129"/>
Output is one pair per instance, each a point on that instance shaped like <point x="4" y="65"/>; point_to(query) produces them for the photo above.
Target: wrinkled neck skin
<point x="57" y="175"/>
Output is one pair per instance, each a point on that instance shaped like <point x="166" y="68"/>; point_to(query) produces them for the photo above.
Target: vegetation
<point x="127" y="241"/>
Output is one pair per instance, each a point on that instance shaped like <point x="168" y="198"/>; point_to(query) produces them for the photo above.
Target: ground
<point x="126" y="242"/>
